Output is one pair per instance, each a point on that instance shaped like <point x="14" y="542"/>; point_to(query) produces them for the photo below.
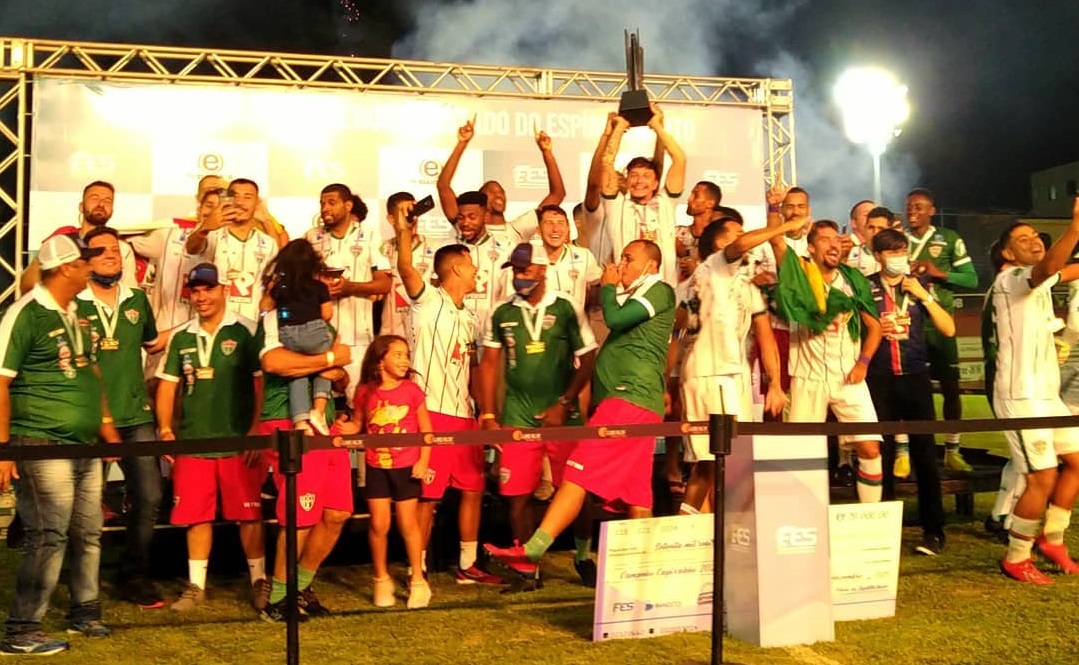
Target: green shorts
<point x="943" y="355"/>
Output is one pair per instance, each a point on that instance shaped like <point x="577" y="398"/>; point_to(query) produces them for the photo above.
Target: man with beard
<point x="516" y="230"/>
<point x="702" y="206"/>
<point x="395" y="318"/>
<point x="239" y="250"/>
<point x="834" y="334"/>
<point x="95" y="209"/>
<point x="355" y="248"/>
<point x="940" y="255"/>
<point x="861" y="251"/>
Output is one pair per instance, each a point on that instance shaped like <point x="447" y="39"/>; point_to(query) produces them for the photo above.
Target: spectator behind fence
<point x="50" y="382"/>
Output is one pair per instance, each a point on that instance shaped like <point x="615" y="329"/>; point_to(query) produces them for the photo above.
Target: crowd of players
<point x="219" y="326"/>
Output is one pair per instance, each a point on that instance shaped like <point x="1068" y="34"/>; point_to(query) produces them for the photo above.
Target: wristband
<point x="488" y="416"/>
<point x="330" y="358"/>
<point x="864" y="359"/>
<point x="106" y="420"/>
<point x="164" y="430"/>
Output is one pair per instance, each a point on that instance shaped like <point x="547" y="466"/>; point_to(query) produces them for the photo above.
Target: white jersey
<point x="166" y="273"/>
<point x="625" y="221"/>
<point x="599" y="243"/>
<point x="861" y="258"/>
<point x="829" y="356"/>
<point x="488" y="254"/>
<point x="571" y="274"/>
<point x="241" y="263"/>
<point x="1025" y="322"/>
<point x="359" y="253"/>
<point x="721" y="304"/>
<point x="517" y="230"/>
<point x="395" y="311"/>
<point x="443" y="343"/>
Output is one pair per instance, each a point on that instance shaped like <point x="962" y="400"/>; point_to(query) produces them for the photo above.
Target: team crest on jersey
<point x="132" y="315"/>
<point x="503" y="475"/>
<point x="430" y="478"/>
<point x="548" y="321"/>
<point x="228" y="347"/>
<point x="935" y="250"/>
<point x="307" y="501"/>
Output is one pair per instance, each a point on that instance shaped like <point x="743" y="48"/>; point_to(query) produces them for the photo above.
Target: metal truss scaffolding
<point x="21" y="60"/>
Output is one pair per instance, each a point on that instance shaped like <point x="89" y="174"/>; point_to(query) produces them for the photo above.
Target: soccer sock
<point x="584" y="548"/>
<point x="686" y="509"/>
<point x="902" y="444"/>
<point x="423" y="560"/>
<point x="1021" y="539"/>
<point x="870" y="477"/>
<point x="257" y="569"/>
<point x="1056" y="523"/>
<point x="468" y="555"/>
<point x="304" y="577"/>
<point x="538" y="545"/>
<point x="196" y="571"/>
<point x="278" y="591"/>
<point x="951" y="442"/>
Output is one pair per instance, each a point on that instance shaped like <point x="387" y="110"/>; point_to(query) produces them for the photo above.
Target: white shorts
<point x="704" y="396"/>
<point x="1037" y="449"/>
<point x="850" y="403"/>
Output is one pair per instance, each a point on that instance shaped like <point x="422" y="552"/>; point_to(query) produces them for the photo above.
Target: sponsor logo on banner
<point x="527" y="176"/>
<point x="610" y="433"/>
<point x="211" y="162"/>
<point x="417" y="169"/>
<point x="431" y="439"/>
<point x="177" y="166"/>
<point x="727" y="180"/>
<point x="688" y="428"/>
<point x="83" y="164"/>
<point x="646" y="605"/>
<point x="518" y="435"/>
<point x="321" y="170"/>
<point x="796" y="540"/>
<point x="741" y="537"/>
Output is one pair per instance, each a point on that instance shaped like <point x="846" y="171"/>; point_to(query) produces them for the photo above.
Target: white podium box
<point x="778" y="585"/>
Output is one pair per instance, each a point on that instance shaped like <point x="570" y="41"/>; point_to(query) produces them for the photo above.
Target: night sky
<point x="994" y="84"/>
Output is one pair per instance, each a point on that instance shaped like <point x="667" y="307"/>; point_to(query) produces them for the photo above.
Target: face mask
<point x="106" y="281"/>
<point x="895" y="266"/>
<point x="524" y="287"/>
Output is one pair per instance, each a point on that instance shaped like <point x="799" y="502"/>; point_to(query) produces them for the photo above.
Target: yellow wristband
<point x="106" y="420"/>
<point x="488" y="416"/>
<point x="164" y="430"/>
<point x="330" y="358"/>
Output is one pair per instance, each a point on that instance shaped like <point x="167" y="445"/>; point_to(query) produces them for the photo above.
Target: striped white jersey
<point x="359" y="253"/>
<point x="830" y="355"/>
<point x="443" y="342"/>
<point x="168" y="267"/>
<point x="720" y="303"/>
<point x="489" y="253"/>
<point x="241" y="263"/>
<point x="1025" y="322"/>
<point x="571" y="274"/>
<point x="395" y="312"/>
<point x="625" y="221"/>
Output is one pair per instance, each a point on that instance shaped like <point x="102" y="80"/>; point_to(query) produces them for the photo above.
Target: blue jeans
<point x="142" y="479"/>
<point x="310" y="338"/>
<point x="59" y="502"/>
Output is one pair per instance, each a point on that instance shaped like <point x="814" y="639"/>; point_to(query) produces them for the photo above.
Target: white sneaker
<point x="383" y="592"/>
<point x="318" y="422"/>
<point x="419" y="595"/>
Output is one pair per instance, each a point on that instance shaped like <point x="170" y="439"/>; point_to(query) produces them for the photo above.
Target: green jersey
<point x="117" y="336"/>
<point x="216" y="374"/>
<point x="539" y="345"/>
<point x="947" y="251"/>
<point x="46" y="352"/>
<point x="632" y="363"/>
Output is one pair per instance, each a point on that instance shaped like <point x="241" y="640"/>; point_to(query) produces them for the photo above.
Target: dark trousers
<point x="142" y="477"/>
<point x="910" y="397"/>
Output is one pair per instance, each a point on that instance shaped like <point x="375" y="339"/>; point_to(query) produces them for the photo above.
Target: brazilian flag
<point x="802" y="297"/>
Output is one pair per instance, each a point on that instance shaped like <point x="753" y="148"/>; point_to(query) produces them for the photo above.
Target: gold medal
<point x="204" y="373"/>
<point x="532" y="348"/>
<point x="109" y="344"/>
<point x="81" y="361"/>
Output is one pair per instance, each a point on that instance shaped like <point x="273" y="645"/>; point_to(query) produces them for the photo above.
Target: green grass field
<point x="953" y="609"/>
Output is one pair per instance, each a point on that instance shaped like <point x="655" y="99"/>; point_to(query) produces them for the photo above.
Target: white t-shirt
<point x="168" y="267"/>
<point x="359" y="253"/>
<point x="517" y="230"/>
<point x="1025" y="322"/>
<point x="395" y="312"/>
<point x="241" y="264"/>
<point x="829" y="356"/>
<point x="625" y="221"/>
<point x="861" y="257"/>
<point x="725" y="303"/>
<point x="444" y="339"/>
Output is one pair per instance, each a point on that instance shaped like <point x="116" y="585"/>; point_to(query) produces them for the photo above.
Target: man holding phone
<point x="239" y="250"/>
<point x="352" y="252"/>
<point x="395" y="317"/>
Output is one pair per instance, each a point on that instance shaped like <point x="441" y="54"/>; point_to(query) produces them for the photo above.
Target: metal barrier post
<point x="290" y="447"/>
<point x="721" y="429"/>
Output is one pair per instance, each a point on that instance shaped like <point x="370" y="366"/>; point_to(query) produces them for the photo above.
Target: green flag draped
<point x="798" y="302"/>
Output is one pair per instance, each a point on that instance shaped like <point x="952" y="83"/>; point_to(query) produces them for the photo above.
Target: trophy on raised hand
<point x="634" y="105"/>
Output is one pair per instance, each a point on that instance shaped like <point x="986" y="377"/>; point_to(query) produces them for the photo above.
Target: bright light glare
<point x="874" y="106"/>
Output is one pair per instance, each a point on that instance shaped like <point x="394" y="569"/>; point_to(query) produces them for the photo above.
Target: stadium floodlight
<point x="874" y="106"/>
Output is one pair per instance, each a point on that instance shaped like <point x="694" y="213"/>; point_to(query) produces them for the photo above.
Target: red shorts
<point x="197" y="480"/>
<point x="520" y="466"/>
<point x="324" y="482"/>
<point x="619" y="471"/>
<point x="460" y="467"/>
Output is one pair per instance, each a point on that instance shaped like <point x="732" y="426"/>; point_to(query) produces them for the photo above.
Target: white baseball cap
<point x="61" y="249"/>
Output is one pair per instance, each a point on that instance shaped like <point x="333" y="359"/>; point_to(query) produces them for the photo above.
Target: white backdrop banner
<point x="154" y="141"/>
